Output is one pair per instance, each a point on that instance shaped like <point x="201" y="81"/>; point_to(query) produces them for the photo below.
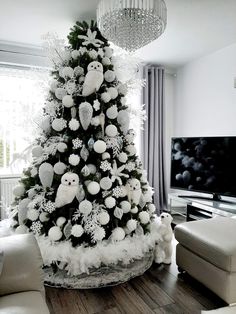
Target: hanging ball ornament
<point x="151" y="208"/>
<point x="24" y="203"/>
<point x="54" y="233"/>
<point x="131" y="149"/>
<point x="126" y="206"/>
<point x="112" y="112"/>
<point x="37" y="151"/>
<point x="67" y="72"/>
<point x="60" y="221"/>
<point x="106" y="61"/>
<point x="110" y="202"/>
<point x="113" y="92"/>
<point x="45" y="124"/>
<point x="111" y="130"/>
<point x="123" y="89"/>
<point x="103" y="218"/>
<point x="108" y="52"/>
<point x="32" y="214"/>
<point x="60" y="93"/>
<point x="92" y="168"/>
<point x="19" y="190"/>
<point x="118" y="234"/>
<point x="105" y="97"/>
<point x="144" y="217"/>
<point x="99" y="146"/>
<point x="53" y="85"/>
<point x="62" y="147"/>
<point x="109" y="76"/>
<point x="31" y="193"/>
<point x="33" y="172"/>
<point x="74" y="159"/>
<point x="105" y="156"/>
<point x="22" y="229"/>
<point x="93" y="188"/>
<point x="134" y="210"/>
<point x="74" y="124"/>
<point x="78" y="71"/>
<point x="75" y="54"/>
<point x="85" y="207"/>
<point x="131" y="224"/>
<point x="77" y="231"/>
<point x="106" y="183"/>
<point x="43" y="217"/>
<point x="68" y="101"/>
<point x="99" y="233"/>
<point x="58" y="124"/>
<point x="123" y="157"/>
<point x="59" y="168"/>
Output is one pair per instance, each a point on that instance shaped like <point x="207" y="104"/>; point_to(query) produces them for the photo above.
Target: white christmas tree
<point x="86" y="187"/>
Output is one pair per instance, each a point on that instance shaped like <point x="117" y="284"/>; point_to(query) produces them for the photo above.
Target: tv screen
<point x="204" y="164"/>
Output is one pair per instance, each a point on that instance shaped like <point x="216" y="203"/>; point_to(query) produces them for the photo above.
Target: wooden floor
<point x="160" y="290"/>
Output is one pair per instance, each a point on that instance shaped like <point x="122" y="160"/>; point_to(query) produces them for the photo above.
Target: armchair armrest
<point x="22" y="265"/>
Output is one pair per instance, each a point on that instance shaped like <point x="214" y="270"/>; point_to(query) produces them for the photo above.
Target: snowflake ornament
<point x="115" y="143"/>
<point x="36" y="227"/>
<point x="90" y="39"/>
<point x="117" y="192"/>
<point x="77" y="143"/>
<point x="49" y="207"/>
<point x="105" y="165"/>
<point x="96" y="105"/>
<point x="130" y="166"/>
<point x="117" y="173"/>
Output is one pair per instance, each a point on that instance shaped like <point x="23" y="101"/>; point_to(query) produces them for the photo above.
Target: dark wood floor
<point x="160" y="290"/>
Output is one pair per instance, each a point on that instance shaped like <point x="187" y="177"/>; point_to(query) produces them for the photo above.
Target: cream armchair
<point x="21" y="284"/>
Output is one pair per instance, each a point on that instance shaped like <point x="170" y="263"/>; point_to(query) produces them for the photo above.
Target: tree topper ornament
<point x="90" y="39"/>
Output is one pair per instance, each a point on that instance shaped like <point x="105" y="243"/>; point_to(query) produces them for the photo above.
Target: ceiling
<point x="195" y="27"/>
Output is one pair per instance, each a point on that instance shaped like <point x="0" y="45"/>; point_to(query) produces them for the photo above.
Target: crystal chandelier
<point x="131" y="24"/>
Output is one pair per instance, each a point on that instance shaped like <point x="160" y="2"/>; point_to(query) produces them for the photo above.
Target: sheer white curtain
<point x="22" y="95"/>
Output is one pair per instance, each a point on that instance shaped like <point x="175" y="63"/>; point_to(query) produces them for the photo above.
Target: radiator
<point x="7" y="183"/>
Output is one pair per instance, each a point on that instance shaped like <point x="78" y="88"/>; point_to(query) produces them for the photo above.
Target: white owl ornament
<point x="67" y="190"/>
<point x="93" y="79"/>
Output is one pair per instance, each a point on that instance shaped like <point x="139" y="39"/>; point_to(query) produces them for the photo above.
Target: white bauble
<point x="37" y="151"/>
<point x="108" y="52"/>
<point x="144" y="217"/>
<point x="112" y="112"/>
<point x="78" y="71"/>
<point x="43" y="217"/>
<point x="126" y="206"/>
<point x="85" y="207"/>
<point x="92" y="168"/>
<point x="54" y="233"/>
<point x="100" y="146"/>
<point x="24" y="203"/>
<point x="151" y="208"/>
<point x="106" y="183"/>
<point x="93" y="188"/>
<point x="110" y="202"/>
<point x="134" y="210"/>
<point x="32" y="214"/>
<point x="74" y="159"/>
<point x="31" y="193"/>
<point x="106" y="61"/>
<point x="95" y="121"/>
<point x="77" y="231"/>
<point x="33" y="172"/>
<point x="59" y="168"/>
<point x="99" y="233"/>
<point x="53" y="85"/>
<point x="111" y="130"/>
<point x="123" y="157"/>
<point x="22" y="229"/>
<point x="60" y="93"/>
<point x="105" y="97"/>
<point x="74" y="124"/>
<point x="62" y="147"/>
<point x="109" y="76"/>
<point x="105" y="156"/>
<point x="113" y="92"/>
<point x="93" y="54"/>
<point x="60" y="221"/>
<point x="58" y="124"/>
<point x="103" y="218"/>
<point x="131" y="224"/>
<point x="75" y="54"/>
<point x="67" y="72"/>
<point x="45" y="124"/>
<point x="68" y="101"/>
<point x="131" y="149"/>
<point x="19" y="190"/>
<point x="118" y="234"/>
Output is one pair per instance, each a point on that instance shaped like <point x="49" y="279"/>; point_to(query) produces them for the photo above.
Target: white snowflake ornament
<point x="74" y="124"/>
<point x="96" y="105"/>
<point x="90" y="39"/>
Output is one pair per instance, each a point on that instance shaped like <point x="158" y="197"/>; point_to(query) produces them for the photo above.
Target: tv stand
<point x="216" y="198"/>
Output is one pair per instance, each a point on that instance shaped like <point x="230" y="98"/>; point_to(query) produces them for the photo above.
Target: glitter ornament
<point x="75" y="54"/>
<point x="37" y="151"/>
<point x="92" y="168"/>
<point x="78" y="71"/>
<point x="32" y="214"/>
<point x="112" y="112"/>
<point x="58" y="124"/>
<point x="105" y="156"/>
<point x="105" y="165"/>
<point x="106" y="61"/>
<point x="62" y="147"/>
<point x="74" y="159"/>
<point x="93" y="188"/>
<point x="60" y="93"/>
<point x="77" y="231"/>
<point x="105" y="97"/>
<point x="19" y="190"/>
<point x="109" y="76"/>
<point x="111" y="130"/>
<point x="43" y="217"/>
<point x="99" y="146"/>
<point x="103" y="218"/>
<point x="106" y="183"/>
<point x="59" y="168"/>
<point x="50" y="207"/>
<point x="84" y="153"/>
<point x="98" y="234"/>
<point x="118" y="234"/>
<point x="85" y="207"/>
<point x="68" y="101"/>
<point x="77" y="143"/>
<point x="93" y="54"/>
<point x="151" y="208"/>
<point x="123" y="157"/>
<point x="126" y="206"/>
<point x="131" y="224"/>
<point x="54" y="233"/>
<point x="118" y="212"/>
<point x="74" y="124"/>
<point x="113" y="92"/>
<point x="67" y="72"/>
<point x="144" y="217"/>
<point x="85" y="114"/>
<point x="131" y="149"/>
<point x="110" y="202"/>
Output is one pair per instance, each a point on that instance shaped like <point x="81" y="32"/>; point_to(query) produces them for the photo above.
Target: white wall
<point x="205" y="99"/>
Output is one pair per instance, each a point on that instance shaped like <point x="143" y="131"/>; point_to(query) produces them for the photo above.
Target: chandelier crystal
<point x="131" y="24"/>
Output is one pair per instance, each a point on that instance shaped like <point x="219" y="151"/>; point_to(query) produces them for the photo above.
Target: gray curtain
<point x="152" y="141"/>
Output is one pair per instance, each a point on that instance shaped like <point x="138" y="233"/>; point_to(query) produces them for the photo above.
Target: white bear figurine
<point x="134" y="192"/>
<point x="163" y="251"/>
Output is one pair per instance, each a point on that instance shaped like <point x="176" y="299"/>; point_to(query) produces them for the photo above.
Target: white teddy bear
<point x="163" y="249"/>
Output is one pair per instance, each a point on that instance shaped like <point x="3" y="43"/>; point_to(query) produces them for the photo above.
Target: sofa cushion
<point x="30" y="302"/>
<point x="212" y="239"/>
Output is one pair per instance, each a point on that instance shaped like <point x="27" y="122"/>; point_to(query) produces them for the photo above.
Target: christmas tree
<point x="85" y="188"/>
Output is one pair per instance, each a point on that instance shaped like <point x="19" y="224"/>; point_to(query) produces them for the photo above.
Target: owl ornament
<point x="93" y="79"/>
<point x="134" y="192"/>
<point x="68" y="189"/>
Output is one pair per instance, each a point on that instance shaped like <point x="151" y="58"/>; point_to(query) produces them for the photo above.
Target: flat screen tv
<point x="204" y="164"/>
